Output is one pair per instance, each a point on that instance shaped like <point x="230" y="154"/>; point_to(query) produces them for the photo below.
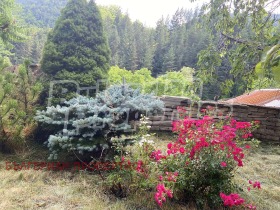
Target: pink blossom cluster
<point x="169" y="176"/>
<point x="235" y="200"/>
<point x="161" y="193"/>
<point x="139" y="167"/>
<point x="255" y="184"/>
<point x="251" y="206"/>
<point x="157" y="155"/>
<point x="182" y="111"/>
<point x="203" y="135"/>
<point x="231" y="200"/>
<point x="175" y="148"/>
<point x="223" y="164"/>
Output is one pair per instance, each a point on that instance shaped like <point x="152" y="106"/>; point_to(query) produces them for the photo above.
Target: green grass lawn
<point x="31" y="189"/>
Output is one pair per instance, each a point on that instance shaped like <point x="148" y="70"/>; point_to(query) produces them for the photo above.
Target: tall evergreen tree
<point x="169" y="60"/>
<point x="150" y="49"/>
<point x="114" y="42"/>
<point x="178" y="37"/>
<point x="11" y="26"/>
<point x="161" y="38"/>
<point x="77" y="48"/>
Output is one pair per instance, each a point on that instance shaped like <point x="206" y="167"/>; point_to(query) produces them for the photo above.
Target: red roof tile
<point x="257" y="97"/>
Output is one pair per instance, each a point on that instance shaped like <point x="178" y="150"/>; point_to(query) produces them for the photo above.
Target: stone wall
<point x="269" y="118"/>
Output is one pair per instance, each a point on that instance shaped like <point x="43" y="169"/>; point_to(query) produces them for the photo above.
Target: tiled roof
<point x="257" y="97"/>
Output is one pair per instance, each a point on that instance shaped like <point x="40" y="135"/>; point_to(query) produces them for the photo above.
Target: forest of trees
<point x="177" y="41"/>
<point x="133" y="45"/>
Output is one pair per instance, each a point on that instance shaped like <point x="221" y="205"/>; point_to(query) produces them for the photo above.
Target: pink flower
<point x="169" y="146"/>
<point x="169" y="152"/>
<point x="161" y="193"/>
<point x="202" y="136"/>
<point x="157" y="155"/>
<point x="247" y="146"/>
<point x="257" y="184"/>
<point x="250" y="206"/>
<point x="203" y="110"/>
<point x="240" y="163"/>
<point x="182" y="150"/>
<point x="231" y="200"/>
<point x="139" y="166"/>
<point x="169" y="193"/>
<point x="223" y="164"/>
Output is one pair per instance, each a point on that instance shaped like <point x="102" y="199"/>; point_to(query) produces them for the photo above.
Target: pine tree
<point x="11" y="27"/>
<point x="169" y="60"/>
<point x="108" y="114"/>
<point x="77" y="48"/>
<point x="114" y="41"/>
<point x="178" y="37"/>
<point x="162" y="39"/>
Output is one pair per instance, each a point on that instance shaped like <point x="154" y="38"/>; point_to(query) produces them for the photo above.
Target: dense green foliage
<point x="246" y="30"/>
<point x="76" y="48"/>
<point x="32" y="48"/>
<point x="83" y="118"/>
<point x="41" y="13"/>
<point x="18" y="94"/>
<point x="174" y="43"/>
<point x="18" y="90"/>
<point x="39" y="16"/>
<point x="180" y="83"/>
<point x="10" y="29"/>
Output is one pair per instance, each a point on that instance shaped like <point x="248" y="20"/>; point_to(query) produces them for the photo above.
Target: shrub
<point x="200" y="165"/>
<point x="82" y="119"/>
<point x="18" y="96"/>
<point x="9" y="113"/>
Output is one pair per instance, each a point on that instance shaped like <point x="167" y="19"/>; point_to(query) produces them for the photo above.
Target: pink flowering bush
<point x="199" y="166"/>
